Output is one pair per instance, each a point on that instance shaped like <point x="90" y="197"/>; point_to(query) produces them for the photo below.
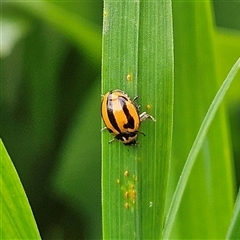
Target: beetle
<point x="121" y="116"/>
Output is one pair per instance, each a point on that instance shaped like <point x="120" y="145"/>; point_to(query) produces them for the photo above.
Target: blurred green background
<point x="50" y="100"/>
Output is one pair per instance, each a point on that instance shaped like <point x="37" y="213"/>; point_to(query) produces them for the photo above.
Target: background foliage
<point x="50" y="96"/>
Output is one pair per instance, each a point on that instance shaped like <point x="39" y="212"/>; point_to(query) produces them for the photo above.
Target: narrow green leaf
<point x="84" y="34"/>
<point x="138" y="59"/>
<point x="17" y="221"/>
<point x="234" y="229"/>
<point x="155" y="87"/>
<point x="177" y="197"/>
<point x="197" y="80"/>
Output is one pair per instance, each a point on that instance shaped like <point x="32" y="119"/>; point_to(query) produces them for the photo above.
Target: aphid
<point x="121" y="116"/>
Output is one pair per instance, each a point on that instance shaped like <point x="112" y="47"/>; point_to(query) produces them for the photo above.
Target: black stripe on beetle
<point x="110" y="113"/>
<point x="130" y="123"/>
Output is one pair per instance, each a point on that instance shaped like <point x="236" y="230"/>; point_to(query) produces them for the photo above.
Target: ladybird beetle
<point x="121" y="116"/>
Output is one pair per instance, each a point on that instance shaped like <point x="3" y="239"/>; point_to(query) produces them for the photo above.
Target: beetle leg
<point x="143" y="116"/>
<point x="103" y="129"/>
<point x="111" y="140"/>
<point x="135" y="98"/>
<point x="142" y="133"/>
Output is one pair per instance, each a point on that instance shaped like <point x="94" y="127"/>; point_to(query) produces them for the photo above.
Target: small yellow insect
<point x="121" y="116"/>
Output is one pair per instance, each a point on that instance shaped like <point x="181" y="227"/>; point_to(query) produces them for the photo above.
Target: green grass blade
<point x="120" y="52"/>
<point x="177" y="197"/>
<point x="84" y="34"/>
<point x="138" y="58"/>
<point x="17" y="221"/>
<point x="234" y="230"/>
<point x="155" y="87"/>
<point x="197" y="80"/>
